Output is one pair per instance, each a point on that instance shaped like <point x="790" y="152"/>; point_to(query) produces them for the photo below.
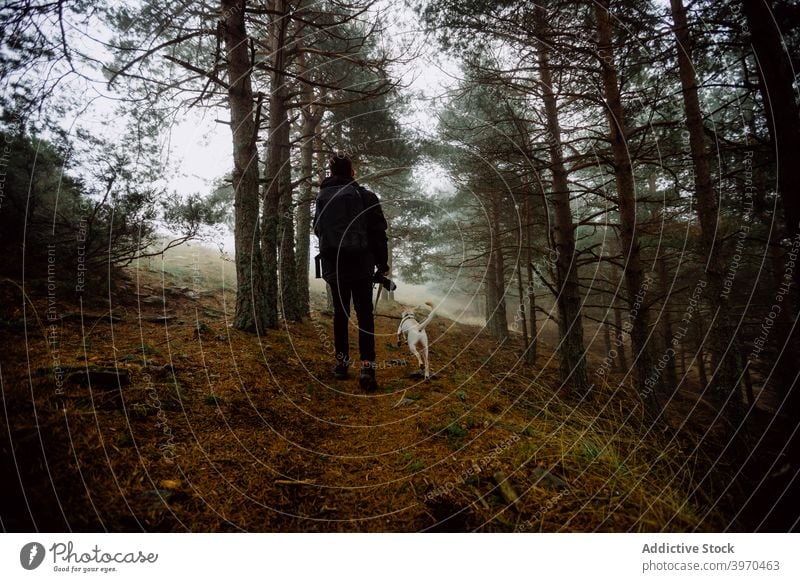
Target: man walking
<point x="351" y="228"/>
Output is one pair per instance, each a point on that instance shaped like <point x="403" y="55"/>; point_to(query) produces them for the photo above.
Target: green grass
<point x="411" y="463"/>
<point x="150" y="350"/>
<point x="177" y="390"/>
<point x="455" y="435"/>
<point x="588" y="451"/>
<point x="460" y="377"/>
<point x="473" y="480"/>
<point x="394" y="385"/>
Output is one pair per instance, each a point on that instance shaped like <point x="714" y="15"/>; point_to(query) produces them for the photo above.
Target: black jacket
<point x="361" y="265"/>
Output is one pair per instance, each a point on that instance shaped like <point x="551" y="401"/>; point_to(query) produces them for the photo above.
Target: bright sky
<point x="203" y="147"/>
<point x="197" y="149"/>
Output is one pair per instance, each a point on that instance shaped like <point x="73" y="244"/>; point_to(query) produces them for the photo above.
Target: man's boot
<point x="366" y="378"/>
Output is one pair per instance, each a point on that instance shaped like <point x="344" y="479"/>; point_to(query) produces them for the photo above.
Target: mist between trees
<point x="604" y="158"/>
<point x="634" y="140"/>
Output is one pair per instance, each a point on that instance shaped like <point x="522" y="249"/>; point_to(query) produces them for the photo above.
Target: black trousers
<point x="360" y="290"/>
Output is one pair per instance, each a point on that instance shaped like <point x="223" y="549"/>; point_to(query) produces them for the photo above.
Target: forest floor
<point x="168" y="419"/>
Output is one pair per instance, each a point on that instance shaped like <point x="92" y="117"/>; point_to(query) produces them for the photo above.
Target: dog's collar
<point x="407" y="316"/>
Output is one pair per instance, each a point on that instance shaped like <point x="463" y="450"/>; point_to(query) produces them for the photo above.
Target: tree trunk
<point x="500" y="315"/>
<point x="748" y="380"/>
<point x="782" y="112"/>
<point x="521" y="314"/>
<point x="622" y="359"/>
<point x="291" y="301"/>
<point x="253" y="311"/>
<point x="491" y="295"/>
<point x="269" y="242"/>
<point x="571" y="350"/>
<point x="390" y="262"/>
<point x="670" y="373"/>
<point x="321" y="169"/>
<point x="304" y="215"/>
<point x="311" y="119"/>
<point x="725" y="380"/>
<point x="647" y="381"/>
<point x="278" y="230"/>
<point x="700" y="352"/>
<point x="304" y="226"/>
<point x="532" y="348"/>
<point x="778" y="95"/>
<point x="683" y="358"/>
<point x="701" y="367"/>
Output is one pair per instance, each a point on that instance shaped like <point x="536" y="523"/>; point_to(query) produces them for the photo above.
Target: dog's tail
<point x="428" y="319"/>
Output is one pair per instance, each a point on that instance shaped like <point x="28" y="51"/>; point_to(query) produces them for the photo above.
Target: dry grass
<point x="221" y="430"/>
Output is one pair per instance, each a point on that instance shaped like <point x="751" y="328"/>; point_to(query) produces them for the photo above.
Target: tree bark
<point x="278" y="218"/>
<point x="321" y="169"/>
<point x="748" y="380"/>
<point x="622" y="359"/>
<point x="670" y="373"/>
<point x="533" y="346"/>
<point x="311" y="118"/>
<point x="253" y="312"/>
<point x="782" y="112"/>
<point x="304" y="217"/>
<point x="291" y="301"/>
<point x="495" y="278"/>
<point x="701" y="354"/>
<point x="390" y="262"/>
<point x="500" y="314"/>
<point x="725" y="380"/>
<point x="521" y="314"/>
<point x="647" y="381"/>
<point x="491" y="295"/>
<point x="683" y="358"/>
<point x="571" y="349"/>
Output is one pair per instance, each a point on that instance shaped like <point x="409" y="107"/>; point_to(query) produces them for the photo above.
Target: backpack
<point x="341" y="221"/>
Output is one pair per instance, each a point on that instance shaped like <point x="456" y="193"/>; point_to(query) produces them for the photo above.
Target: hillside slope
<point x="170" y="420"/>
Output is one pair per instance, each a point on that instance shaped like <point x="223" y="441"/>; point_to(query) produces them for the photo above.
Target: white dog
<point x="416" y="336"/>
